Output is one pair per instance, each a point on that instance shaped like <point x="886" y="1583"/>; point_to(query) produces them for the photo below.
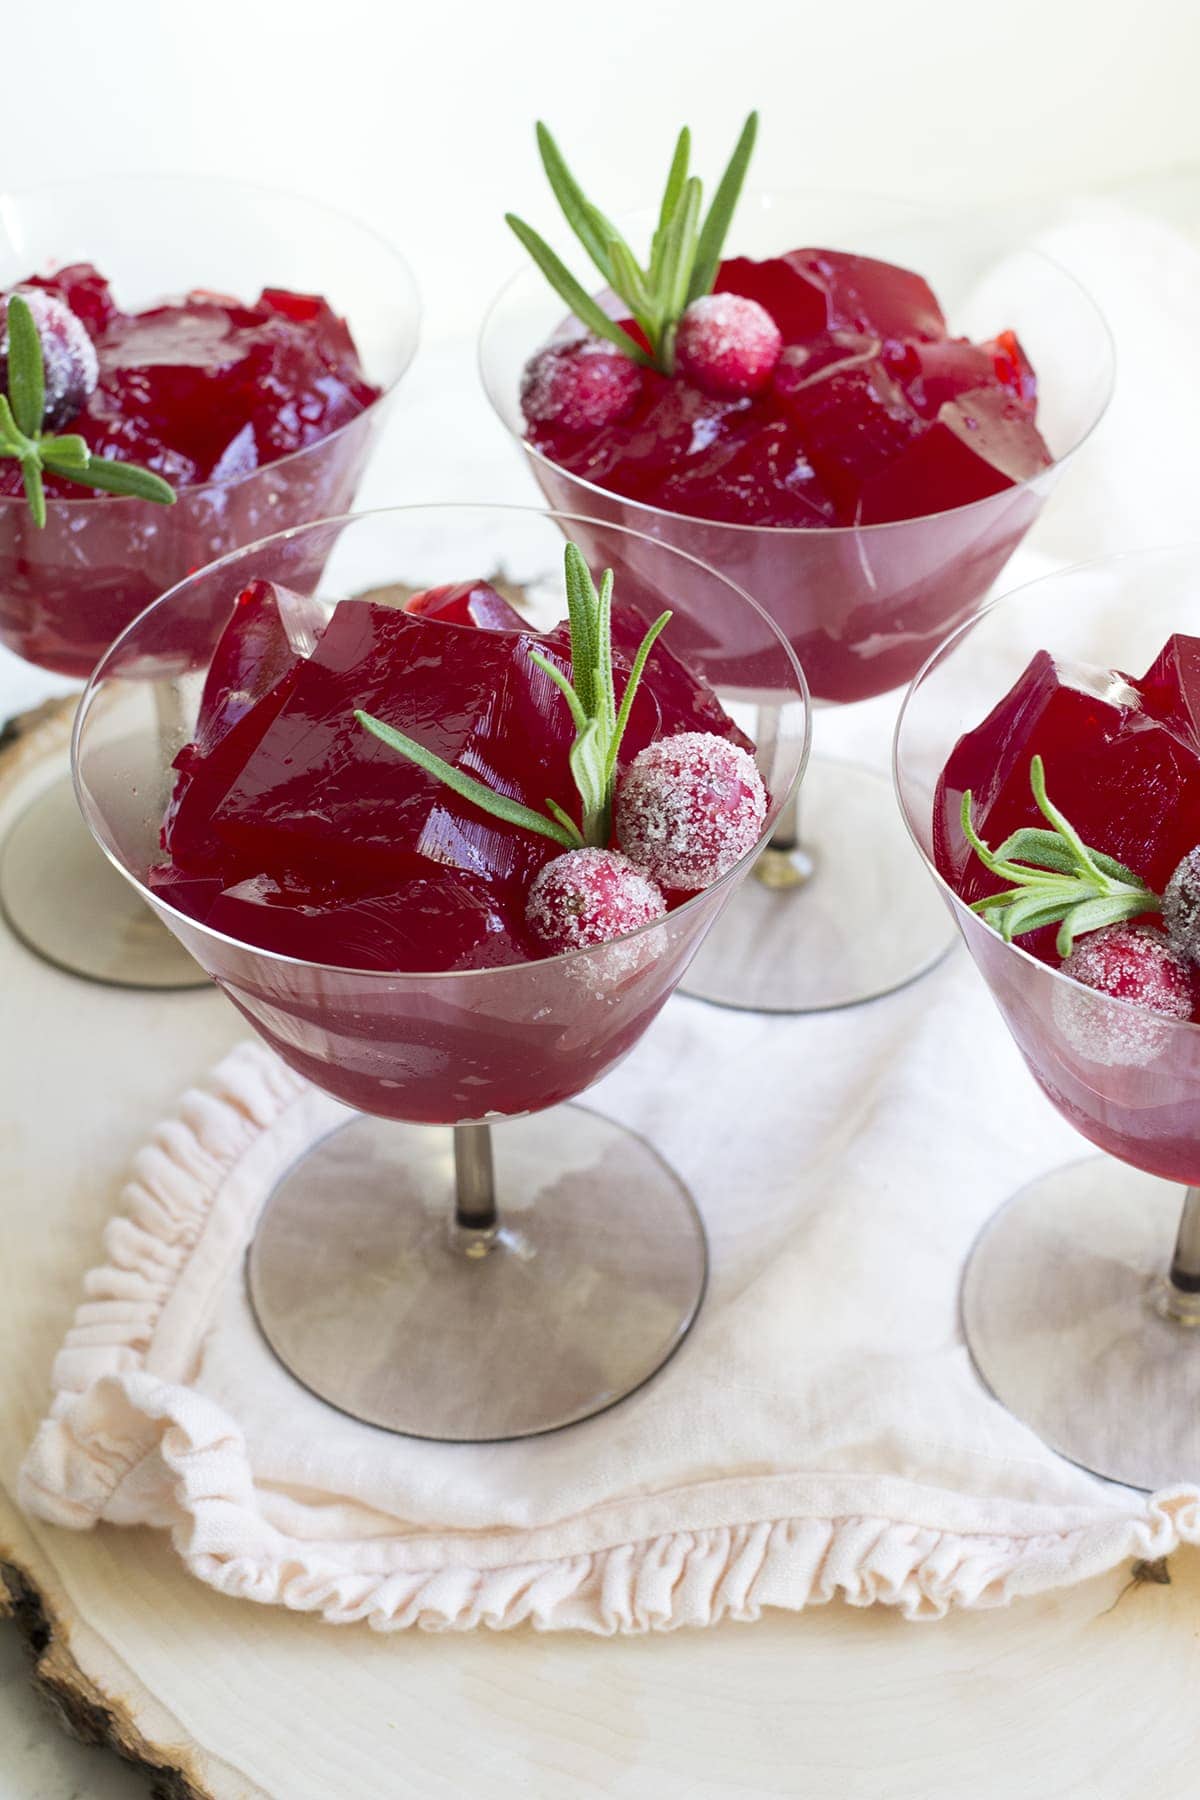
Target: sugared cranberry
<point x="1123" y="962"/>
<point x="590" y="897"/>
<point x="1181" y="908"/>
<point x="689" y="808"/>
<point x="581" y="386"/>
<point x="68" y="357"/>
<point x="727" y="345"/>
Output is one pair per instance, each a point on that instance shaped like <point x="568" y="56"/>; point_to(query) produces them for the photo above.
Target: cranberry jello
<point x="808" y="421"/>
<point x="256" y="412"/>
<point x="435" y="786"/>
<point x="840" y="399"/>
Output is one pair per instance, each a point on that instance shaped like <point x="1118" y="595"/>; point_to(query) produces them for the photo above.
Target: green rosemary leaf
<point x="671" y="193"/>
<point x="1094" y="915"/>
<point x="556" y="675"/>
<point x="577" y="298"/>
<point x="121" y="478"/>
<point x="583" y="604"/>
<point x="566" y="821"/>
<point x="606" y="698"/>
<point x="679" y="292"/>
<point x="580" y="215"/>
<point x="630" y="283"/>
<point x="720" y="213"/>
<point x="1038" y="849"/>
<point x="35" y="492"/>
<point x="26" y="374"/>
<point x="64" y="453"/>
<point x="1037" y="781"/>
<point x="631" y="688"/>
<point x="486" y="798"/>
<point x="13" y="441"/>
<point x="588" y="766"/>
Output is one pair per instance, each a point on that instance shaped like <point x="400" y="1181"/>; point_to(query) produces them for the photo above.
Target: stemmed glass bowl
<point x="382" y="1274"/>
<point x="1082" y="1296"/>
<point x="861" y="606"/>
<point x="66" y="591"/>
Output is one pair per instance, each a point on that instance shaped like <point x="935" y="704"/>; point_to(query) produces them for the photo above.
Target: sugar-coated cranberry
<point x="590" y="897"/>
<point x="71" y="367"/>
<point x="1134" y="963"/>
<point x="1181" y="908"/>
<point x="727" y="344"/>
<point x="689" y="807"/>
<point x="581" y="386"/>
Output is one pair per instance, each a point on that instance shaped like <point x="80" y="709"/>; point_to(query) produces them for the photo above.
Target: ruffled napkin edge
<point x="125" y="1431"/>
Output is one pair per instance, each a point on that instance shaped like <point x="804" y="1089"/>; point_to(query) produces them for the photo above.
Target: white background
<point x="418" y="117"/>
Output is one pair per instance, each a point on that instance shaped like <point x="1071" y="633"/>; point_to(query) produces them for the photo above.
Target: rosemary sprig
<point x="22" y="437"/>
<point x="684" y="254"/>
<point x="590" y="694"/>
<point x="1056" y="879"/>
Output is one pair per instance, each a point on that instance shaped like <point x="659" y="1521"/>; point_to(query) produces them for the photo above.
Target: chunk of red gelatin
<point x="789" y="292"/>
<point x="467" y="603"/>
<point x="253" y="669"/>
<point x="864" y="294"/>
<point x="1170" y="689"/>
<point x="1129" y="785"/>
<point x="448" y="919"/>
<point x="319" y="786"/>
<point x="979" y="445"/>
<point x="851" y="416"/>
<point x="684" y="702"/>
<point x="932" y="374"/>
<point x="207" y="388"/>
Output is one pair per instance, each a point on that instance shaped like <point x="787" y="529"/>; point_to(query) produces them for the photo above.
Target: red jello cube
<point x="1171" y="688"/>
<point x="979" y="445"/>
<point x="864" y="294"/>
<point x="467" y="603"/>
<point x="446" y="919"/>
<point x="1129" y="785"/>
<point x="932" y="374"/>
<point x="852" y="418"/>
<point x="782" y="285"/>
<point x="253" y="669"/>
<point x="318" y="787"/>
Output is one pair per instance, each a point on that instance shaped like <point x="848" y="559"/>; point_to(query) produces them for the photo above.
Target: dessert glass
<point x="1081" y="1299"/>
<point x="862" y="606"/>
<point x="383" y="1274"/>
<point x="67" y="591"/>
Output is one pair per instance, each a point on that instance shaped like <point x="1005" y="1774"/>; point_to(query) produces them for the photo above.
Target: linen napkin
<point x="821" y="1432"/>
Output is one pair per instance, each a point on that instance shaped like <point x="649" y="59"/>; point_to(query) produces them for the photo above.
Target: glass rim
<point x="169" y="179"/>
<point x="916" y="213"/>
<point x="91" y="693"/>
<point x="944" y="649"/>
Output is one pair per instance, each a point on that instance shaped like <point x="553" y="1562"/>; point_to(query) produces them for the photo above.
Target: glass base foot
<point x="1062" y="1307"/>
<point x="369" y="1298"/>
<point x="67" y="904"/>
<point x="847" y="916"/>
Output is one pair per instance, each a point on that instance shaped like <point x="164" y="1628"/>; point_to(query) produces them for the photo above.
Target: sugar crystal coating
<point x="1181" y="908"/>
<point x="690" y="807"/>
<point x="581" y="386"/>
<point x="70" y="365"/>
<point x="728" y="344"/>
<point x="1133" y="963"/>
<point x="590" y="897"/>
